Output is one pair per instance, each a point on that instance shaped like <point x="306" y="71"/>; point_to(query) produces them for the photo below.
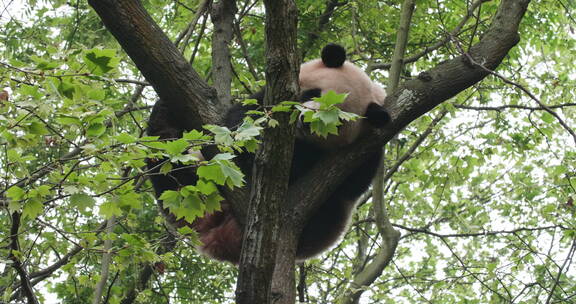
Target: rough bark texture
<point x="272" y="164"/>
<point x="223" y="19"/>
<point x="190" y="97"/>
<point x="194" y="102"/>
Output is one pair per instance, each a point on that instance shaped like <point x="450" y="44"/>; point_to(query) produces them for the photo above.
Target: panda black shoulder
<point x="236" y="113"/>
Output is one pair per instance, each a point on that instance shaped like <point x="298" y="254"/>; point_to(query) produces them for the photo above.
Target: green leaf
<point x="194" y="135"/>
<point x="329" y="99"/>
<point x="15" y="193"/>
<point x="248" y="102"/>
<point x="68" y="120"/>
<point x="547" y="117"/>
<point x="176" y="147"/>
<point x="170" y="196"/>
<point x="213" y="202"/>
<point x="100" y="61"/>
<point x="205" y="187"/>
<point x="125" y="138"/>
<point x="222" y="135"/>
<point x="109" y="209"/>
<point x="273" y="123"/>
<point x="31" y="91"/>
<point x="82" y="201"/>
<point x="234" y="176"/>
<point x="281" y="108"/>
<point x="329" y="117"/>
<point x="213" y="173"/>
<point x="192" y="207"/>
<point x="95" y="129"/>
<point x="185" y="230"/>
<point x="247" y="131"/>
<point x="130" y="199"/>
<point x="96" y="94"/>
<point x="184" y="158"/>
<point x="37" y="128"/>
<point x="14" y="155"/>
<point x="32" y="208"/>
<point x="44" y="64"/>
<point x="166" y="168"/>
<point x="44" y="190"/>
<point x="347" y="116"/>
<point x="223" y="156"/>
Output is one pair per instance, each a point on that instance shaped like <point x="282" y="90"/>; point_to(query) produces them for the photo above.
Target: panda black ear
<point x="333" y="55"/>
<point x="377" y="116"/>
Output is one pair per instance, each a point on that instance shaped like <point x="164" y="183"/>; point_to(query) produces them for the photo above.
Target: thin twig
<point x="438" y="44"/>
<point x="519" y="86"/>
<point x="561" y="269"/>
<point x="106" y="260"/>
<point x="505" y="107"/>
<point x="17" y="260"/>
<point x="478" y="234"/>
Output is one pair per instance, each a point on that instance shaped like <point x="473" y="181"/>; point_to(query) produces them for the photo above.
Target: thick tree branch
<point x="191" y="99"/>
<point x="410" y="101"/>
<point x="272" y="169"/>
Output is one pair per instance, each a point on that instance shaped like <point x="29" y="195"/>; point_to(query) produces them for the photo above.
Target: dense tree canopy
<point x="480" y="187"/>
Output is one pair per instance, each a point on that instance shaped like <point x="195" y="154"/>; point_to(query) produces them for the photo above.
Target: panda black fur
<point x="220" y="232"/>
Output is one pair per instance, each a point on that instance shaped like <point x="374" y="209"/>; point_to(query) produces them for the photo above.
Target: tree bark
<point x="194" y="103"/>
<point x="16" y="256"/>
<point x="223" y="19"/>
<point x="271" y="169"/>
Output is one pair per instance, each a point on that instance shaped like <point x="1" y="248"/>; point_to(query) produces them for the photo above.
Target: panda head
<point x="333" y="73"/>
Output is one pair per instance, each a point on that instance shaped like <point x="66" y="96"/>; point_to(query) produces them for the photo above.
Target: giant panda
<point x="219" y="232"/>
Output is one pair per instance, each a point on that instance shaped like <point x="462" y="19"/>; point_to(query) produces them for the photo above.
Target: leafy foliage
<point x="484" y="202"/>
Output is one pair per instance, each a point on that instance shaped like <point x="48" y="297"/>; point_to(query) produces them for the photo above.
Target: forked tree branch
<point x="411" y="100"/>
<point x="194" y="102"/>
<point x="16" y="256"/>
<point x="175" y="81"/>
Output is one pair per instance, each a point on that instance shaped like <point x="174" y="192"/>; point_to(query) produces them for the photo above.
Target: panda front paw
<point x="377" y="115"/>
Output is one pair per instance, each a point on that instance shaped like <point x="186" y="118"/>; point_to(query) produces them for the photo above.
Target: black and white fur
<point x="220" y="233"/>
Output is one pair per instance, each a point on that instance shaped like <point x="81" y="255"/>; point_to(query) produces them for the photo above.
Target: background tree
<point x="481" y="187"/>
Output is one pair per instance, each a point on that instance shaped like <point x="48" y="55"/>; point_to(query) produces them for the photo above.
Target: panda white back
<point x="333" y="73"/>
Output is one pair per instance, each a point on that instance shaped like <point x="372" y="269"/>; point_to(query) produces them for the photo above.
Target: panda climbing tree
<point x="190" y="103"/>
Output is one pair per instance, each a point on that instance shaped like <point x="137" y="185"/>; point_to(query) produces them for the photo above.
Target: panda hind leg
<point x="220" y="235"/>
